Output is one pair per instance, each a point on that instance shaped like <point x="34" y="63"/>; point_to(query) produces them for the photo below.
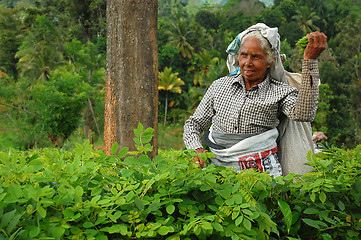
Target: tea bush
<point x="85" y="194"/>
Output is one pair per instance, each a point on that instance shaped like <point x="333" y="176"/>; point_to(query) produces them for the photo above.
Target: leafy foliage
<point x="39" y="37"/>
<point x="58" y="194"/>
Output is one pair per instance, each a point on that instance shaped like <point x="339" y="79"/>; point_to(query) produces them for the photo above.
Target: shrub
<point x="84" y="194"/>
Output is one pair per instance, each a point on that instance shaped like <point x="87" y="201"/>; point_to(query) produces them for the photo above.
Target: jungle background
<point x="52" y="64"/>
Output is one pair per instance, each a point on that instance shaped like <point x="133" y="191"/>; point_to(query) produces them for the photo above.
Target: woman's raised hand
<point x="316" y="44"/>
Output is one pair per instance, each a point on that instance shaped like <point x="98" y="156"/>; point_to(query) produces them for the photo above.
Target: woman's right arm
<point x="199" y="121"/>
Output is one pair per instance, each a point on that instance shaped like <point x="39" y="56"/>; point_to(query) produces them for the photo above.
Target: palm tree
<point x="305" y="18"/>
<point x="37" y="63"/>
<point x="169" y="82"/>
<point x="178" y="34"/>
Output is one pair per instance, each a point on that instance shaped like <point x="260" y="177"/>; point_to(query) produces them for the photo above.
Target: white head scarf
<point x="277" y="71"/>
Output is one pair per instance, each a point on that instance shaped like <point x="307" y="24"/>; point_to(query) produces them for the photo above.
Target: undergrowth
<point x="85" y="194"/>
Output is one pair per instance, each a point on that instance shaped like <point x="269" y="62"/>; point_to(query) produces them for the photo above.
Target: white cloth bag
<point x="296" y="139"/>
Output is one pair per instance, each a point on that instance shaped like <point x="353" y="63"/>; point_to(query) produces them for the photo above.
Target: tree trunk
<point x="131" y="91"/>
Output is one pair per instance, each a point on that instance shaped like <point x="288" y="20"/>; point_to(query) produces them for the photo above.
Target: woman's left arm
<point x="307" y="98"/>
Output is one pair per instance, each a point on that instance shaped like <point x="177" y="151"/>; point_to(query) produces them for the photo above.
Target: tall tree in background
<point x="10" y="39"/>
<point x="131" y="94"/>
<point x="169" y="82"/>
<point x="305" y="18"/>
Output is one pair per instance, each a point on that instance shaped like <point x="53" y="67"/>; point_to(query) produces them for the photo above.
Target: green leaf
<point x="341" y="205"/>
<point x="236" y="187"/>
<point x="313" y="197"/>
<point x="123" y="152"/>
<point x="139" y="203"/>
<point x="34" y="231"/>
<point x="137" y="141"/>
<point x="88" y="224"/>
<point x="57" y="232"/>
<point x="140" y="127"/>
<point x="311" y="223"/>
<point x="101" y="236"/>
<point x="115" y="228"/>
<point x="129" y="196"/>
<point x="226" y="193"/>
<point x="41" y="211"/>
<point x="12" y="224"/>
<point x="114" y="148"/>
<point x="287" y="213"/>
<point x="95" y="199"/>
<point x="96" y="191"/>
<point x="205" y="187"/>
<point x="207" y="226"/>
<point x="311" y="211"/>
<point x="147" y="135"/>
<point x="247" y="224"/>
<point x="163" y="230"/>
<point x="15" y="190"/>
<point x="322" y="197"/>
<point x="239" y="220"/>
<point x="137" y="133"/>
<point x="217" y="227"/>
<point x="170" y="209"/>
<point x="358" y="186"/>
<point x="36" y="165"/>
<point x="326" y="236"/>
<point x="79" y="191"/>
<point x="289" y="177"/>
<point x="6" y="218"/>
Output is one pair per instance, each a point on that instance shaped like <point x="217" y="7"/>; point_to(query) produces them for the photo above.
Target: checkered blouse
<point x="232" y="109"/>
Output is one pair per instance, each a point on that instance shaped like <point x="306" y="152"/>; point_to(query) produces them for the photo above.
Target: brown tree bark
<point x="131" y="91"/>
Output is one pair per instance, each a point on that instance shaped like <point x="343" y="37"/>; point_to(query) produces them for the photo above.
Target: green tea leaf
<point x="163" y="230"/>
<point x="239" y="220"/>
<point x="287" y="213"/>
<point x="41" y="211"/>
<point x="12" y="224"/>
<point x="137" y="133"/>
<point x="217" y="227"/>
<point x="322" y="197"/>
<point x="6" y="218"/>
<point x="226" y="193"/>
<point x="311" y="223"/>
<point x="207" y="226"/>
<point x="247" y="224"/>
<point x="139" y="203"/>
<point x="341" y="205"/>
<point x="15" y="190"/>
<point x="79" y="191"/>
<point x="123" y="152"/>
<point x="311" y="211"/>
<point x="36" y="165"/>
<point x="236" y="187"/>
<point x="34" y="231"/>
<point x="313" y="197"/>
<point x="137" y="141"/>
<point x="114" y="148"/>
<point x="302" y="44"/>
<point x="170" y="209"/>
<point x="57" y="232"/>
<point x="140" y="127"/>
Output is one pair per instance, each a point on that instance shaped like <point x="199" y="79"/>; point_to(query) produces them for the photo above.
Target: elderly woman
<point x="244" y="107"/>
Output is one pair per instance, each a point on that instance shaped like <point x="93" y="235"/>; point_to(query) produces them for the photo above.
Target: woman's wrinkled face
<point x="253" y="61"/>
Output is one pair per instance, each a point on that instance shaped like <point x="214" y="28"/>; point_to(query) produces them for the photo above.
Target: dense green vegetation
<point x="52" y="63"/>
<point x="52" y="193"/>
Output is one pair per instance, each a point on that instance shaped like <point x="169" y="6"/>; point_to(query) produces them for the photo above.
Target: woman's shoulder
<point x="281" y="86"/>
<point x="229" y="79"/>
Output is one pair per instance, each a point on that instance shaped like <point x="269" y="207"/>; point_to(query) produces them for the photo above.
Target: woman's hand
<point x="199" y="161"/>
<point x="316" y="44"/>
